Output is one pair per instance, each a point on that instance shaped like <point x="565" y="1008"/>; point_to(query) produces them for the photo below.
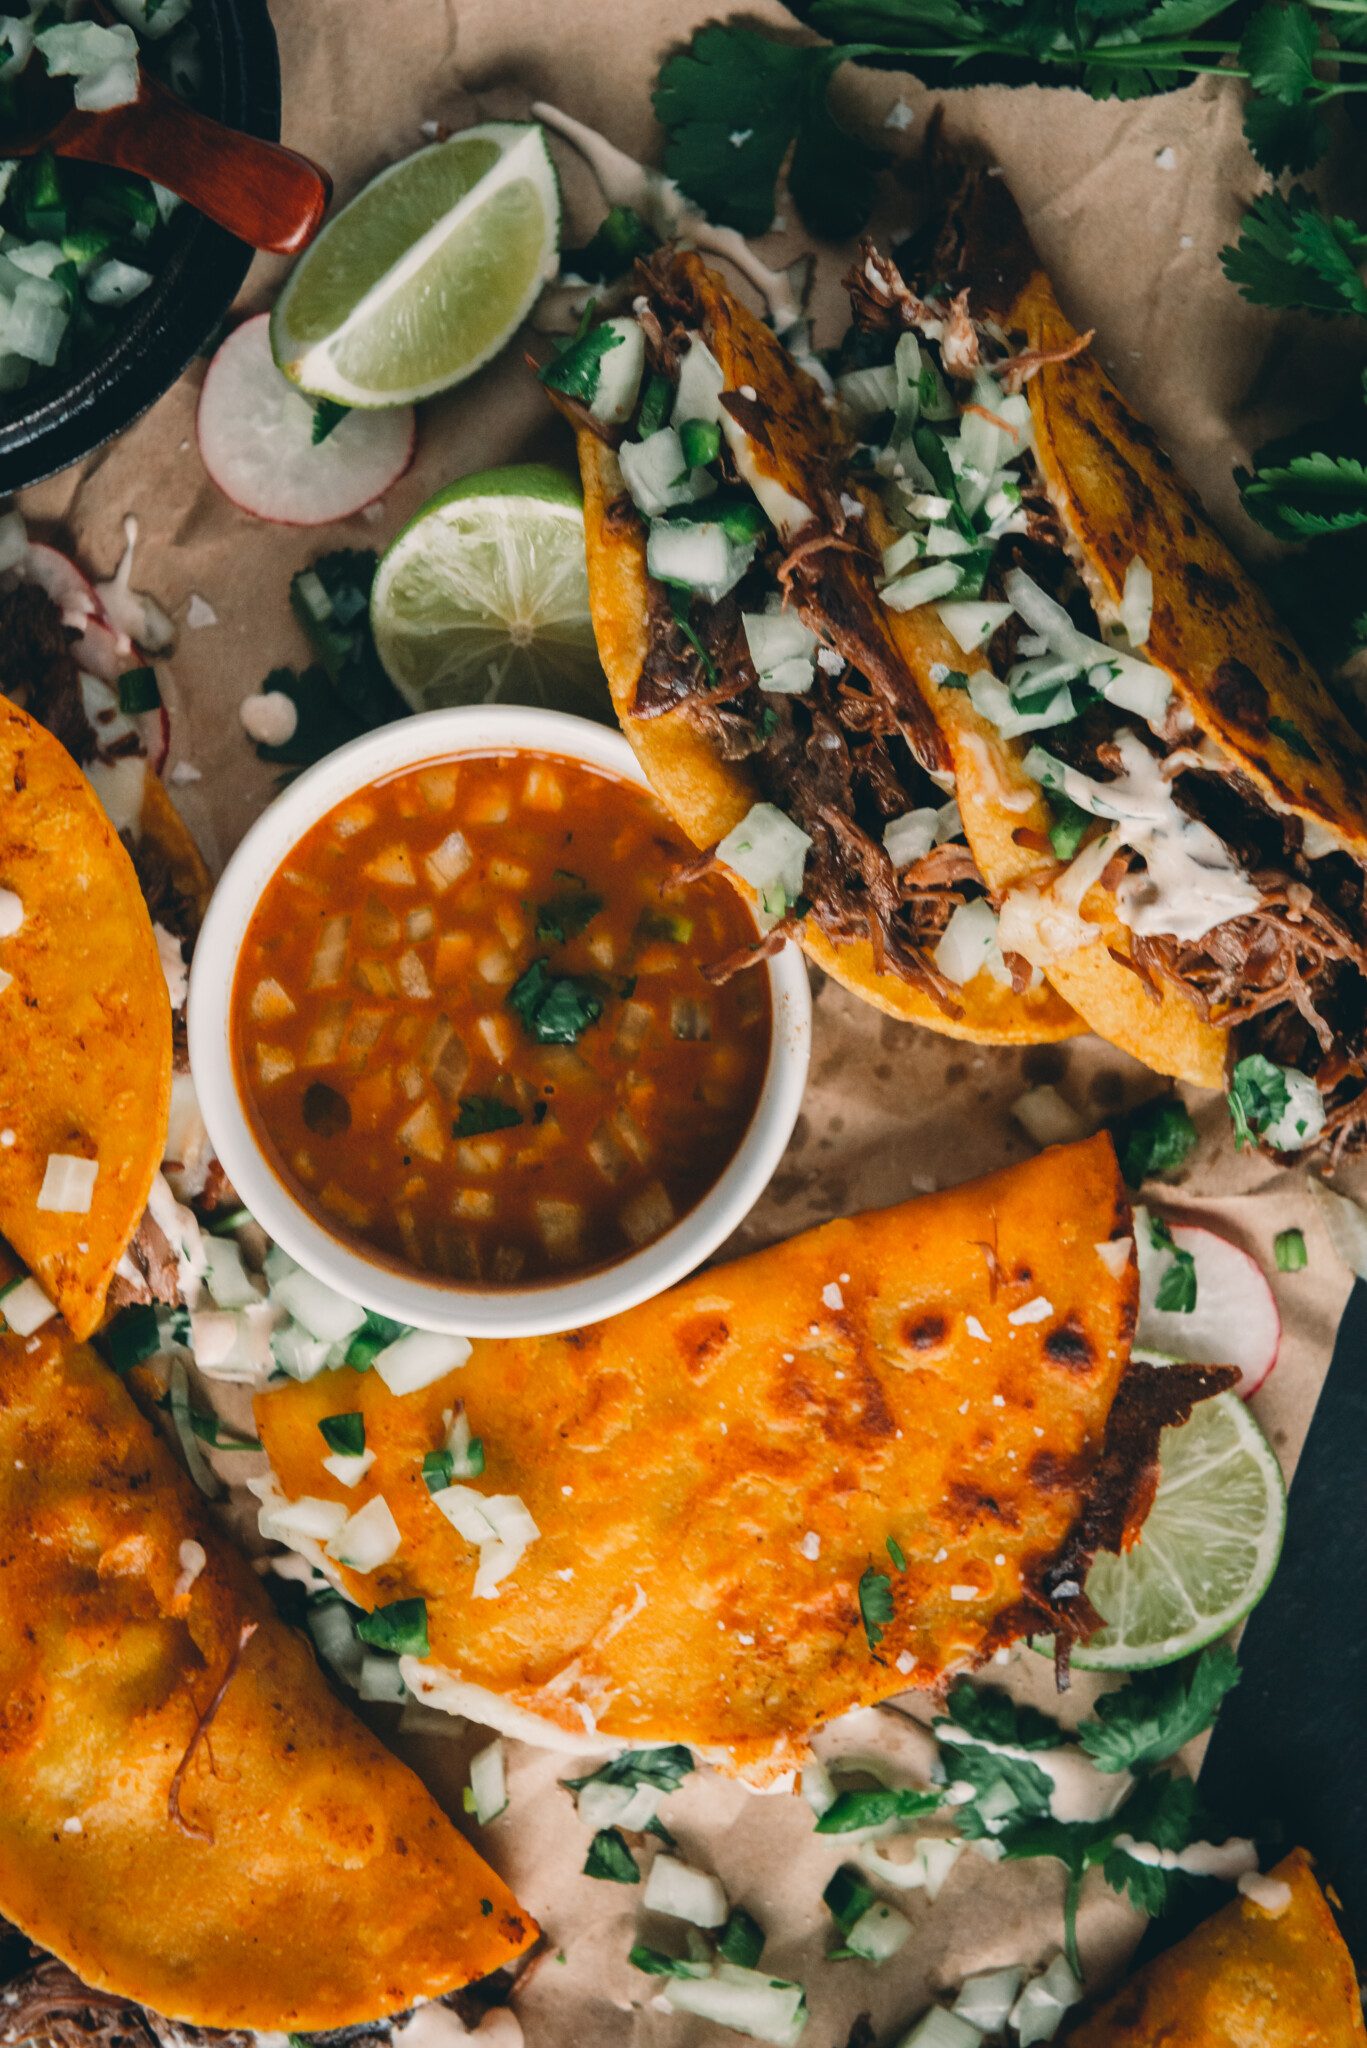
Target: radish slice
<point x="1235" y="1320"/>
<point x="256" y="439"/>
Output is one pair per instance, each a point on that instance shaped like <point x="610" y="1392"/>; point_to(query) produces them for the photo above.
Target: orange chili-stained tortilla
<point x="1230" y="660"/>
<point x="706" y="793"/>
<point x="322" y="1886"/>
<point x="713" y="1472"/>
<point x="1246" y="1978"/>
<point x="85" y="1023"/>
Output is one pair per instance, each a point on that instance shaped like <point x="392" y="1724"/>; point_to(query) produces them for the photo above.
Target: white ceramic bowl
<point x="411" y="1297"/>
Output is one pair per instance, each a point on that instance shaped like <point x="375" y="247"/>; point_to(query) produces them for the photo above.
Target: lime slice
<point x="1208" y="1549"/>
<point x="426" y="274"/>
<point x="484" y="598"/>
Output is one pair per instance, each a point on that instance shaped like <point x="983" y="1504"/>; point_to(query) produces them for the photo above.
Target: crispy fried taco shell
<point x="1246" y="1978"/>
<point x="714" y="1472"/>
<point x="705" y="793"/>
<point x="85" y="1025"/>
<point x="1231" y="662"/>
<point x="311" y="1882"/>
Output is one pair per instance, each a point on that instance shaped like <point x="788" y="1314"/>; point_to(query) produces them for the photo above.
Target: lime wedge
<point x="426" y="274"/>
<point x="484" y="598"/>
<point x="1208" y="1549"/>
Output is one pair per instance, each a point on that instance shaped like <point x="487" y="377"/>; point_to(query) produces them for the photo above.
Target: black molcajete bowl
<point x="181" y="310"/>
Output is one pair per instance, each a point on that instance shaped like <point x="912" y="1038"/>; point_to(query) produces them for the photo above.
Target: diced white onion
<point x="320" y="1520"/>
<point x="776" y="638"/>
<point x="601" y="1805"/>
<point x="1038" y="2011"/>
<point x="940" y="2029"/>
<point x="419" y="1357"/>
<point x="902" y="553"/>
<point x="986" y="1999"/>
<point x="1136" y="602"/>
<point x="114" y="283"/>
<point x="368" y="1539"/>
<point x="973" y="622"/>
<point x="322" y="1311"/>
<point x="909" y="838"/>
<point x="868" y="393"/>
<point x="488" y="1781"/>
<point x="68" y="1184"/>
<point x="25" y="1307"/>
<point x="297" y="1353"/>
<point x="746" y="2001"/>
<point x="225" y="1275"/>
<point x="619" y="372"/>
<point x="657" y="476"/>
<point x="700" y="555"/>
<point x="700" y="384"/>
<point x="970" y="943"/>
<point x="349" y="1467"/>
<point x="464" y="1508"/>
<point x="878" y="1933"/>
<point x="922" y="586"/>
<point x="379" y="1678"/>
<point x="818" y="1787"/>
<point x="1044" y="1115"/>
<point x="949" y="822"/>
<point x="768" y="851"/>
<point x="684" y="1893"/>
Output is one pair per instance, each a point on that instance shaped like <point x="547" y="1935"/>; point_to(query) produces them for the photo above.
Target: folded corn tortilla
<point x="314" y="1883"/>
<point x="713" y="1474"/>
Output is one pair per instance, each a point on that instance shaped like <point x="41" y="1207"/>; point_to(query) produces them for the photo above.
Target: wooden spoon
<point x="264" y="194"/>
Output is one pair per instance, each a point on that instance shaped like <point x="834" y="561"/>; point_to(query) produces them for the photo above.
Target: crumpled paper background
<point x="1128" y="205"/>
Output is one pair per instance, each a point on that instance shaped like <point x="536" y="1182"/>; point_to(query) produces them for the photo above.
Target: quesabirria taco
<point x="754" y="670"/>
<point x="102" y="1064"/>
<point x="1156" y="786"/>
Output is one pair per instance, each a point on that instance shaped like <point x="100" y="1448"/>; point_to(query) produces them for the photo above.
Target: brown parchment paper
<point x="1129" y="206"/>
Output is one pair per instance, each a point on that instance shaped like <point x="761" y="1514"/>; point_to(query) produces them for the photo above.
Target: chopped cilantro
<point x="1169" y="1812"/>
<point x="732" y="104"/>
<point x="741" y="1940"/>
<point x="133" y="1335"/>
<point x="375" y="1333"/>
<point x="991" y="1716"/>
<point x="569" y="910"/>
<point x="576" y="370"/>
<point x="622" y="237"/>
<point x="1292" y="738"/>
<point x="847" y="1898"/>
<point x="1290" y="1252"/>
<point x="610" y="1858"/>
<point x="875" y="1605"/>
<point x="400" y="1628"/>
<point x="1155" y="1712"/>
<point x="482" y="1113"/>
<point x="344" y="1434"/>
<point x="328" y="414"/>
<point x="555" y="1009"/>
<point x="767" y="722"/>
<point x="852" y="1810"/>
<point x="1309" y="495"/>
<point x="1177" y="1288"/>
<point x="1069" y="828"/>
<point x="438" y="1470"/>
<point x="895" y="1553"/>
<point x="1290" y="254"/>
<point x="665" y="925"/>
<point x="953" y="679"/>
<point x="655" y="1963"/>
<point x="680" y="601"/>
<point x="1258" y="1096"/>
<point x="665" y="1768"/>
<point x="1155" y="1140"/>
<point x="138" y="691"/>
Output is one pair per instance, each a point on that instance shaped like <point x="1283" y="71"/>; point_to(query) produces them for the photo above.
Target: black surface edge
<point x="1287" y="1762"/>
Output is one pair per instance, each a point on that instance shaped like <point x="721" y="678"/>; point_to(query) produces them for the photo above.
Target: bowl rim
<point x="548" y="1306"/>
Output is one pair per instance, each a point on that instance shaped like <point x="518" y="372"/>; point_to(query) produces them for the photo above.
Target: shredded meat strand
<point x="203" y="1722"/>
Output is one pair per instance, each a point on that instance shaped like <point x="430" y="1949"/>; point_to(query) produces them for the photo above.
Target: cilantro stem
<point x="1071" y="1900"/>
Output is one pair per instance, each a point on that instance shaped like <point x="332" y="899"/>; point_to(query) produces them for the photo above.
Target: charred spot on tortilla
<point x="1239" y="695"/>
<point x="925" y="1333"/>
<point x="1068" y="1344"/>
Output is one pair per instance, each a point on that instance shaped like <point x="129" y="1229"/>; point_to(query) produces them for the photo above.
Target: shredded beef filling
<point x="38" y="669"/>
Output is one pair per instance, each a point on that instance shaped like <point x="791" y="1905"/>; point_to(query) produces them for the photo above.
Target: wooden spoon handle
<point x="264" y="194"/>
